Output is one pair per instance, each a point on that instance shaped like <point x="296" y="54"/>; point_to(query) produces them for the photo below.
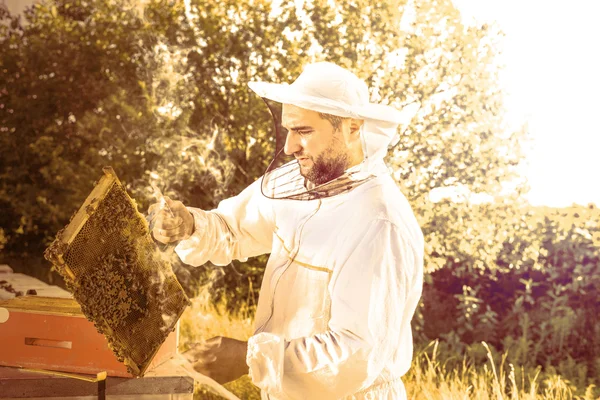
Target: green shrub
<point x="530" y="287"/>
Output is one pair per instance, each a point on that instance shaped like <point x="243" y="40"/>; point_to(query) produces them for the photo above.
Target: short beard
<point x="327" y="169"/>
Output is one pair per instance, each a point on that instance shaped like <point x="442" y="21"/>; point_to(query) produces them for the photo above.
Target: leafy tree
<point x="158" y="90"/>
<point x="58" y="72"/>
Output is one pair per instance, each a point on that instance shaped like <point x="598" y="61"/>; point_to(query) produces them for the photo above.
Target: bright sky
<point x="552" y="57"/>
<point x="553" y="79"/>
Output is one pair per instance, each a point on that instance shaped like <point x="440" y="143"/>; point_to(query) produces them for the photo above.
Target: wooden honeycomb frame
<point x="117" y="274"/>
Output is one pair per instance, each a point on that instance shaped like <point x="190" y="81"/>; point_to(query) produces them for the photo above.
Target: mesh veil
<point x="283" y="180"/>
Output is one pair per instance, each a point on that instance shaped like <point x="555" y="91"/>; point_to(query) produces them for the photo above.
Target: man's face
<point x="320" y="149"/>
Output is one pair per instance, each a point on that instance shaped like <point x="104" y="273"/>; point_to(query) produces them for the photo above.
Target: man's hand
<point x="171" y="226"/>
<point x="220" y="358"/>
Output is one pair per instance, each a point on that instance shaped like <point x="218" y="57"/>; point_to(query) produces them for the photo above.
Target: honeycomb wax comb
<point x="118" y="275"/>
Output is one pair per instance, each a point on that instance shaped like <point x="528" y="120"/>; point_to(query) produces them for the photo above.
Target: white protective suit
<point x="339" y="291"/>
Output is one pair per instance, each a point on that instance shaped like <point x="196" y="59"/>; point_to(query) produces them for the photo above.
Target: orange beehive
<point x="52" y="333"/>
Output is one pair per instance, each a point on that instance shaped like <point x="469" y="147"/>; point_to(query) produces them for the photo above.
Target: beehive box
<point x="53" y="334"/>
<point x="115" y="271"/>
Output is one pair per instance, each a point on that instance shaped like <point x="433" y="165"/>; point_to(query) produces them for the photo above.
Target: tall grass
<point x="435" y="374"/>
<point x="439" y="376"/>
<point x="204" y="320"/>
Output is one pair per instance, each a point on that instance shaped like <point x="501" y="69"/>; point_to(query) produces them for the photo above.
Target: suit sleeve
<point x="240" y="227"/>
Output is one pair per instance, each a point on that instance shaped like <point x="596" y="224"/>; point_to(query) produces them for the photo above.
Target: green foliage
<point x="59" y="93"/>
<point x="527" y="283"/>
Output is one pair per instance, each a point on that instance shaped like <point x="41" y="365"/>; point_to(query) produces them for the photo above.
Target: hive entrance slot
<point x="59" y="344"/>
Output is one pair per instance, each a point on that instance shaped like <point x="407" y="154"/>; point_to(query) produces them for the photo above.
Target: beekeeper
<point x="345" y="272"/>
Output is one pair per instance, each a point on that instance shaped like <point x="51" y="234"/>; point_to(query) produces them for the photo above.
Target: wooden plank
<point x="150" y="385"/>
<point x="97" y="194"/>
<point x="44" y="305"/>
<point x="41" y="385"/>
<point x="18" y="384"/>
<point x="186" y="396"/>
<point x="67" y="387"/>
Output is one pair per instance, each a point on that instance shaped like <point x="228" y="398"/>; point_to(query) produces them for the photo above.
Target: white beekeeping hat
<point x="328" y="88"/>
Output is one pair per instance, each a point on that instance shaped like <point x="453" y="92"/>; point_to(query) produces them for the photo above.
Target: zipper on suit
<point x="291" y="259"/>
